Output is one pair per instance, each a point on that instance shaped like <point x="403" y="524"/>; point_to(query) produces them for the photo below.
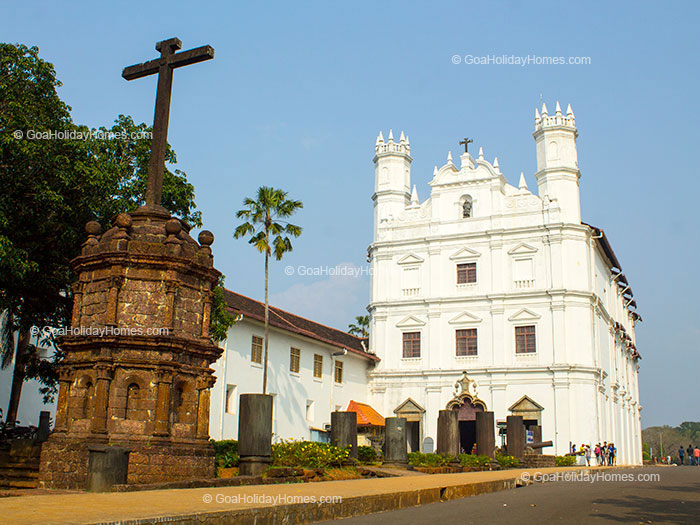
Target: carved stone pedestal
<point x="137" y="369"/>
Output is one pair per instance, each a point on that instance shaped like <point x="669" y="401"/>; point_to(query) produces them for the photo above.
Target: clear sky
<point x="298" y="91"/>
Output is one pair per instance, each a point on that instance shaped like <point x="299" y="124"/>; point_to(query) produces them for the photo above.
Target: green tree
<point x="269" y="234"/>
<point x="50" y="189"/>
<point x="360" y="327"/>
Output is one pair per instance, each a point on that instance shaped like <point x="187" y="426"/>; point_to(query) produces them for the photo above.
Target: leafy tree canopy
<point x="52" y="187"/>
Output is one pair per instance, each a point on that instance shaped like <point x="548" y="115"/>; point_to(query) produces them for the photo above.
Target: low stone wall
<point x="537" y="461"/>
<point x="64" y="463"/>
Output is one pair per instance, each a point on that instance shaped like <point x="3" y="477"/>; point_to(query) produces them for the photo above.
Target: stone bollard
<point x="537" y="437"/>
<point x="107" y="466"/>
<point x="44" y="426"/>
<point x="448" y="433"/>
<point x="255" y="434"/>
<point x="515" y="436"/>
<point x="395" y="446"/>
<point x="344" y="431"/>
<point x="485" y="436"/>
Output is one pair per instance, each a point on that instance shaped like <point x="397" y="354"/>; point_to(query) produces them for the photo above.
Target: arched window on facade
<point x="132" y="397"/>
<point x="467" y="208"/>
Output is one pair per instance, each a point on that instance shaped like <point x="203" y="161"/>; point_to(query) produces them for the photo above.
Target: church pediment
<point x="465" y="318"/>
<point x="410" y="322"/>
<point x="525" y="404"/>
<point x="524" y="315"/>
<point x="410" y="259"/>
<point x="523" y="249"/>
<point x="409" y="407"/>
<point x="464" y="254"/>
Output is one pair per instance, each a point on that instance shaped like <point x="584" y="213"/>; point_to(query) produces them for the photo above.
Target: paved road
<point x="674" y="497"/>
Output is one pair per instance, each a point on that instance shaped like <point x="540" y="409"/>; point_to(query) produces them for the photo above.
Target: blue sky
<point x="298" y="91"/>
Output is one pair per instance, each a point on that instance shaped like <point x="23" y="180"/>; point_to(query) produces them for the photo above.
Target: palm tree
<point x="268" y="233"/>
<point x="361" y="329"/>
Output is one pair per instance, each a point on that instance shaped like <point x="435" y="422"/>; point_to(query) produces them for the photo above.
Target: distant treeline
<point x="666" y="440"/>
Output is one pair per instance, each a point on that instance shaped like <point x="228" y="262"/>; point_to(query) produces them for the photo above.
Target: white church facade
<point x="507" y="285"/>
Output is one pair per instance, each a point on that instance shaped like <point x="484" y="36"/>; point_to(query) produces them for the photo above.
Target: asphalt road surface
<point x="643" y="495"/>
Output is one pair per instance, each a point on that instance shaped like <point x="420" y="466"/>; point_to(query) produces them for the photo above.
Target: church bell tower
<point x="557" y="161"/>
<point x="392" y="179"/>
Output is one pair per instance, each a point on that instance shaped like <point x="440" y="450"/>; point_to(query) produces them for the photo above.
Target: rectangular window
<point x="466" y="273"/>
<point x="256" y="350"/>
<point x="339" y="372"/>
<point x="466" y="342"/>
<point x="309" y="410"/>
<point x="411" y="344"/>
<point x="318" y="365"/>
<point x="525" y="340"/>
<point x="294" y="359"/>
<point x="230" y="399"/>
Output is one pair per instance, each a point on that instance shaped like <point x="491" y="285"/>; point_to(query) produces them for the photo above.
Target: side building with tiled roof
<point x="313" y="369"/>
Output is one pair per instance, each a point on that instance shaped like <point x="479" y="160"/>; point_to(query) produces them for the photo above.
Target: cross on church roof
<point x="163" y="66"/>
<point x="465" y="143"/>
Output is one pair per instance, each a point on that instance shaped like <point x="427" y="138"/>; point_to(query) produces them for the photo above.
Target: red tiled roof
<point x="240" y="304"/>
<point x="366" y="415"/>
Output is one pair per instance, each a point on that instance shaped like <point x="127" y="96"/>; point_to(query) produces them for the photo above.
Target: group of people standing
<point x="693" y="455"/>
<point x="604" y="454"/>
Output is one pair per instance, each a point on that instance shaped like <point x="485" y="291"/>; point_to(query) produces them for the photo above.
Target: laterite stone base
<point x="64" y="462"/>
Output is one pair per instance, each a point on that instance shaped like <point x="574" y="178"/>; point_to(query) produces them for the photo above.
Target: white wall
<point x="291" y="390"/>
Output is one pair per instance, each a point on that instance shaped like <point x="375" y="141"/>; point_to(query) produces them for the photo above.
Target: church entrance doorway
<point x="413" y="436"/>
<point x="467" y="436"/>
<point x="466" y="415"/>
<point x="413" y="413"/>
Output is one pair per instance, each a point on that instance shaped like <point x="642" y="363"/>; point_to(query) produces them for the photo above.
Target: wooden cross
<point x="163" y="66"/>
<point x="466" y="143"/>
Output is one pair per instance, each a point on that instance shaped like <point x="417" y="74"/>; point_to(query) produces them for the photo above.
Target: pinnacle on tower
<point x="449" y="157"/>
<point x="523" y="183"/>
<point x="481" y="153"/>
<point x="537" y="116"/>
<point x="380" y="139"/>
<point x="391" y="136"/>
<point x="402" y="139"/>
<point x="414" y="196"/>
<point x="408" y="142"/>
<point x="495" y="164"/>
<point x="558" y="109"/>
<point x="544" y="109"/>
<point x="569" y="111"/>
<point x="435" y="170"/>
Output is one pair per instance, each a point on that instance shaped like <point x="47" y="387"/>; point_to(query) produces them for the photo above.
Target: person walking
<point x="689" y="451"/>
<point x="597" y="454"/>
<point x="681" y="453"/>
<point x="696" y="455"/>
<point x="611" y="454"/>
<point x="604" y="451"/>
<point x="587" y="453"/>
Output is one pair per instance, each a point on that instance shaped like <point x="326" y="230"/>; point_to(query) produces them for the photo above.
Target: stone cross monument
<point x="137" y="367"/>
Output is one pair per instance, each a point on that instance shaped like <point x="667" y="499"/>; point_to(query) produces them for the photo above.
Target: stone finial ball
<point x="93" y="228"/>
<point x="123" y="220"/>
<point x="206" y="238"/>
<point x="173" y="227"/>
